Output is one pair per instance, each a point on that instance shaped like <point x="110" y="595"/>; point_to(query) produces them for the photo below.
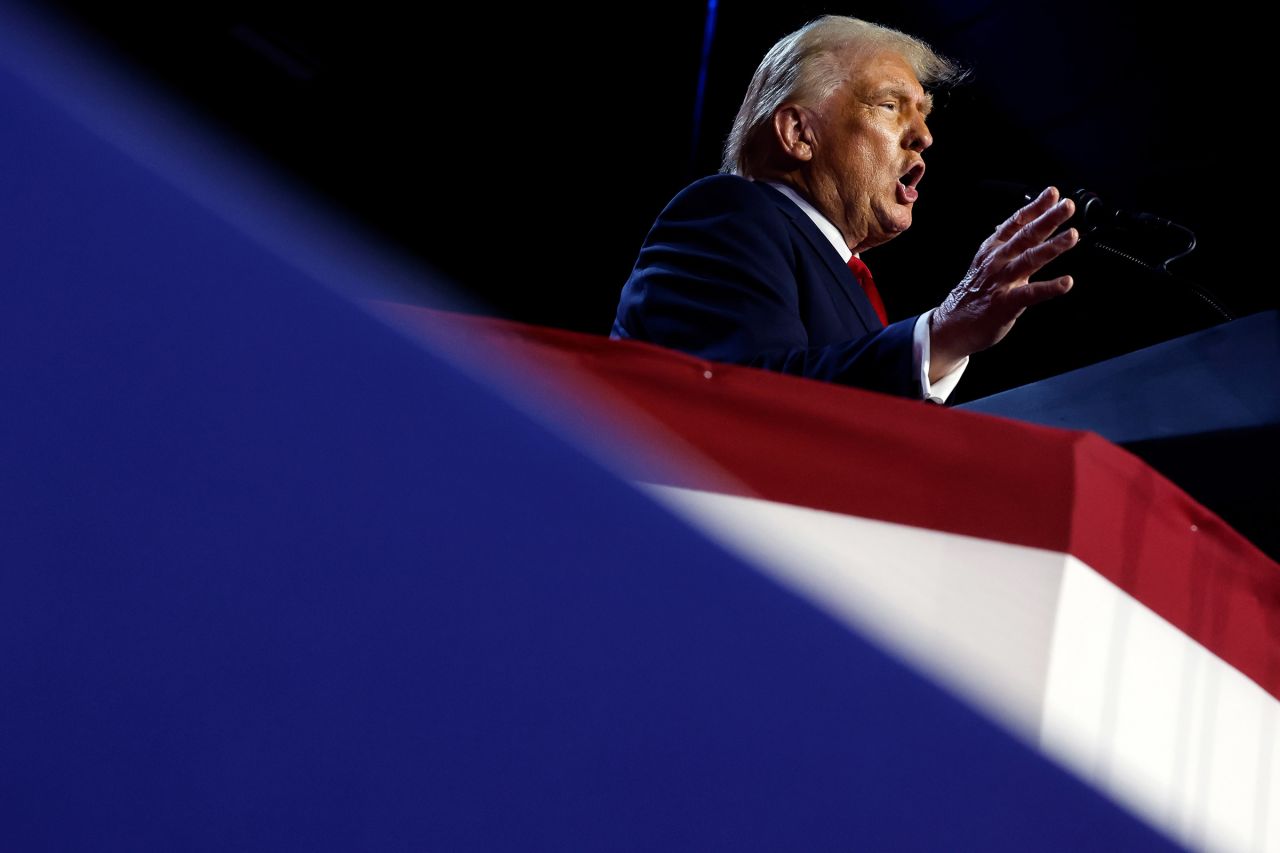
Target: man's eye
<point x="889" y="105"/>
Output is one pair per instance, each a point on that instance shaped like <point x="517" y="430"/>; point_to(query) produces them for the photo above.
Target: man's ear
<point x="792" y="131"/>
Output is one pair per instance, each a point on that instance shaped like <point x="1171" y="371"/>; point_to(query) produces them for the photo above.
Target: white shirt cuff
<point x="939" y="391"/>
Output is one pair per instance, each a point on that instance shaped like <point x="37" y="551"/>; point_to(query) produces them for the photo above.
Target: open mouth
<point x="913" y="175"/>
<point x="907" y="192"/>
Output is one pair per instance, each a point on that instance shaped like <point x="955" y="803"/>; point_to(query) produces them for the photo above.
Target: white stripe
<point x="1159" y="722"/>
<point x="1043" y="644"/>
<point x="974" y="614"/>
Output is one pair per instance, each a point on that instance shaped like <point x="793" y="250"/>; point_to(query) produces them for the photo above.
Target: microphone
<point x="1093" y="213"/>
<point x="1103" y="225"/>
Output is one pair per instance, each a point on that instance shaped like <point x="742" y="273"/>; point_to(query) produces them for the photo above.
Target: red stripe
<point x="855" y="452"/>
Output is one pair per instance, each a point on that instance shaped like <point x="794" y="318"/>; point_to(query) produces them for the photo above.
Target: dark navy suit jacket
<point x="734" y="271"/>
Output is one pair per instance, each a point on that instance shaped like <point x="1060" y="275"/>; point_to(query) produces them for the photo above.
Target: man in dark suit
<point x="760" y="265"/>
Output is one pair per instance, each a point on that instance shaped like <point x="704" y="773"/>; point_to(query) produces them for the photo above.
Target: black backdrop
<point x="524" y="154"/>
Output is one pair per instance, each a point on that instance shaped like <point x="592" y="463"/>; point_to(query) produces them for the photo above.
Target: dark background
<point x="525" y="154"/>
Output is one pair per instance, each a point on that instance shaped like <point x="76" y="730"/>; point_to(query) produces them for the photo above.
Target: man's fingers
<point x="1027" y="214"/>
<point x="1030" y="261"/>
<point x="1038" y="291"/>
<point x="1038" y="229"/>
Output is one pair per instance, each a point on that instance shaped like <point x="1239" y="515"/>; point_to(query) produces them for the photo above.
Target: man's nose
<point x="918" y="136"/>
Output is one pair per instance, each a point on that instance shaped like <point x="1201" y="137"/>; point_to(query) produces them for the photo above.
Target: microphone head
<point x="1091" y="211"/>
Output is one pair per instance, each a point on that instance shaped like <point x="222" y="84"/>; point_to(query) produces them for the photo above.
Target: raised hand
<point x="983" y="307"/>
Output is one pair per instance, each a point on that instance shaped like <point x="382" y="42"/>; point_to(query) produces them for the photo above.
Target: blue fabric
<point x="1222" y="378"/>
<point x="733" y="271"/>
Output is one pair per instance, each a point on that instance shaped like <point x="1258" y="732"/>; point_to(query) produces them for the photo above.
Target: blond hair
<point x="806" y="67"/>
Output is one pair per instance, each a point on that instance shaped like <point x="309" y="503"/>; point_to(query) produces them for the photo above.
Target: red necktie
<point x="864" y="278"/>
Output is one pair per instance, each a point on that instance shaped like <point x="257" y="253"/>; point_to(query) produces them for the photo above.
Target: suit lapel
<point x="841" y="277"/>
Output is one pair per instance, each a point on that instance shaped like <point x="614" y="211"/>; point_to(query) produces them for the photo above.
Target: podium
<point x="1203" y="409"/>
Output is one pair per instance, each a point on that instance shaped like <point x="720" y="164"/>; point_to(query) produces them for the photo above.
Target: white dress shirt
<point x="938" y="391"/>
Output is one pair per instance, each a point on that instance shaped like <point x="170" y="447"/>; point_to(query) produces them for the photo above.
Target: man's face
<point x="868" y="139"/>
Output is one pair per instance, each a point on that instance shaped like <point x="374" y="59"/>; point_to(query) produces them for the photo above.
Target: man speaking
<point x="761" y="265"/>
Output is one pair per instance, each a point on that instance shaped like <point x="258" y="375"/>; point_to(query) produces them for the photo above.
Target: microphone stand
<point x="1162" y="269"/>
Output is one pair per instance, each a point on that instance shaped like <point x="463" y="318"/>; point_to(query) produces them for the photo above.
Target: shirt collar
<point x="824" y="225"/>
